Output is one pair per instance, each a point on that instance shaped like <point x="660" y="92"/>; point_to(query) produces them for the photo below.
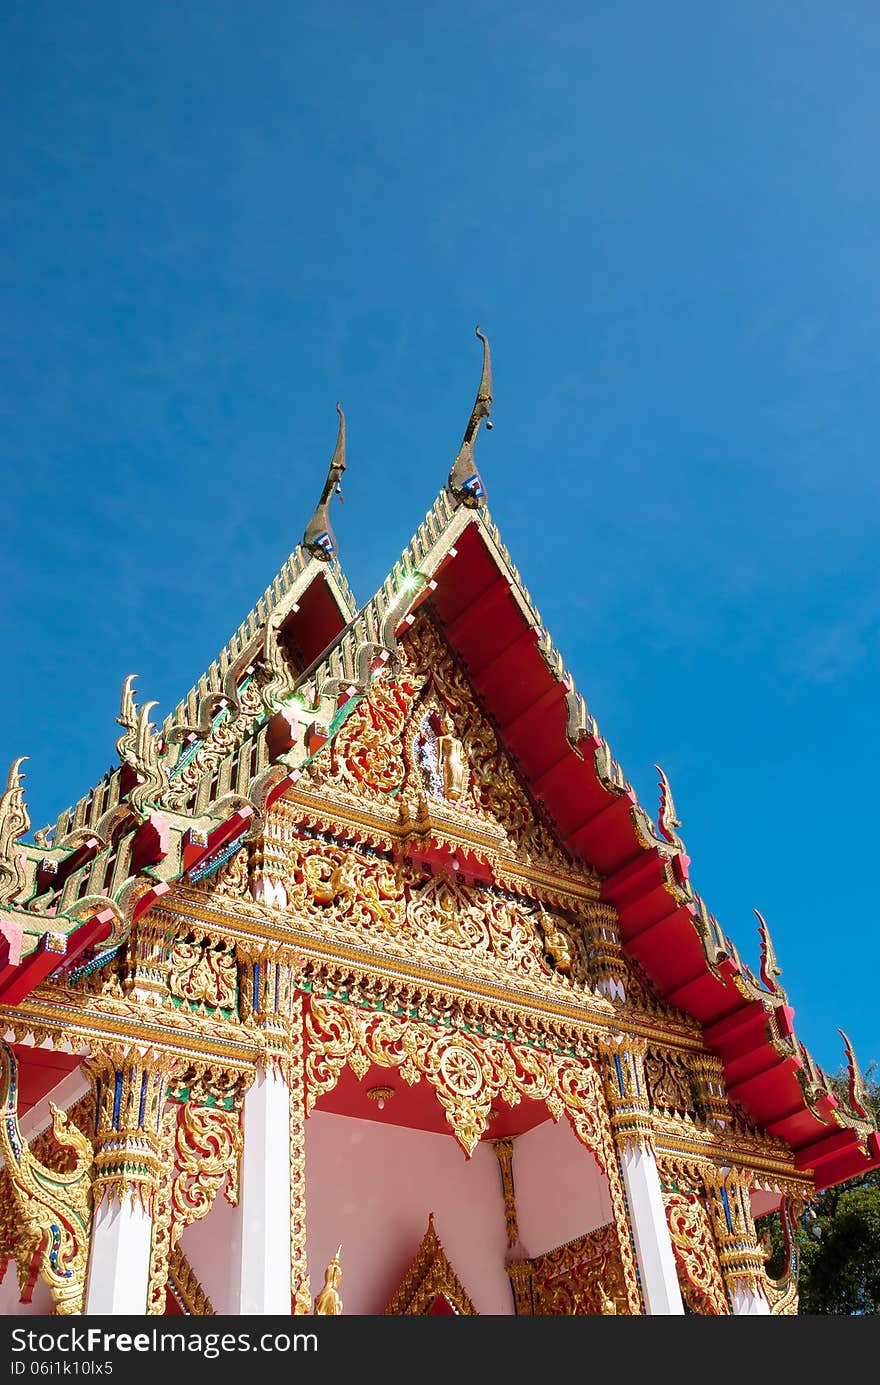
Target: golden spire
<point x="319" y="538"/>
<point x="465" y="481"/>
<point x="14" y="822"/>
<point x="770" y="968"/>
<point x="668" y="820"/>
<point x="859" y="1099"/>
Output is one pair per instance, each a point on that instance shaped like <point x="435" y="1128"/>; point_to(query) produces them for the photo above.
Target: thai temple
<point x="365" y="984"/>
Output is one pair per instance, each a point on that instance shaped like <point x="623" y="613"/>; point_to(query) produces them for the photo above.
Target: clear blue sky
<point x="219" y="218"/>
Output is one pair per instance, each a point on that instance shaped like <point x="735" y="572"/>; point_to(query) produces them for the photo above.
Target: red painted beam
<point x="198" y="845"/>
<point x="31" y="972"/>
<point x="820" y="1151"/>
<point x="147" y="900"/>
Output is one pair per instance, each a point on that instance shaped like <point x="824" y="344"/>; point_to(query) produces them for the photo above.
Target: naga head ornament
<point x="319" y="539"/>
<point x="465" y="482"/>
<point x="14" y="823"/>
<point x="859" y="1098"/>
<point x="669" y="821"/>
<point x="770" y="968"/>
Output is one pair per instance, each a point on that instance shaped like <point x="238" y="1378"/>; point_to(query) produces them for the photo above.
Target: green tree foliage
<point x="839" y="1240"/>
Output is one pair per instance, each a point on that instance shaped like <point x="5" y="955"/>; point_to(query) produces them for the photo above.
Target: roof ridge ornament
<point x="859" y="1099"/>
<point x="770" y="968"/>
<point x="668" y="820"/>
<point x="319" y="539"/>
<point x="465" y="482"/>
<point x="139" y="747"/>
<point x="14" y="823"/>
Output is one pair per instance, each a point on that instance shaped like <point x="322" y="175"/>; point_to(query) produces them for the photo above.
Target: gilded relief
<point x="358" y="896"/>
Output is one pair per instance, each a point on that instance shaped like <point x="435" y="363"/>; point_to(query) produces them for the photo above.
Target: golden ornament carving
<point x="728" y="1192"/>
<point x="300" y="1288"/>
<point x="14" y="823"/>
<point x="53" y="1208"/>
<point x="140" y="748"/>
<point x="200" y="1154"/>
<point x="429" y="1277"/>
<point x="347" y="894"/>
<point x="203" y="973"/>
<point x="585" y="1276"/>
<point x="186" y="1288"/>
<point x="504" y="1155"/>
<point x="696" y="1253"/>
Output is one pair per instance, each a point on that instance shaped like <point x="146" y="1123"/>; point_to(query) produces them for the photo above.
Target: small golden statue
<point x="556" y="943"/>
<point x="452" y="761"/>
<point x="327" y="1301"/>
<point x="607" y="1305"/>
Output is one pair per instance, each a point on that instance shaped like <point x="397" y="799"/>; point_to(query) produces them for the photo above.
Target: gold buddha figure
<point x="452" y="761"/>
<point x="327" y="1301"/>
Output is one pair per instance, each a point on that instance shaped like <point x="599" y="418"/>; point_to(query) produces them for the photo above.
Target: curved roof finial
<point x="859" y="1098"/>
<point x="668" y="821"/>
<point x="770" y="968"/>
<point x="319" y="538"/>
<point x="465" y="482"/>
<point x="14" y="823"/>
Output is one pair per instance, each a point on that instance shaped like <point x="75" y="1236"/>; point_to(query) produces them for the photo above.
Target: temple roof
<point x="275" y="697"/>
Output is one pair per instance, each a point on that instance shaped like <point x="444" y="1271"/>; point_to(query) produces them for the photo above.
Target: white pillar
<point x="749" y="1302"/>
<point x="650" y="1231"/>
<point x="264" y="1277"/>
<point x="119" y="1260"/>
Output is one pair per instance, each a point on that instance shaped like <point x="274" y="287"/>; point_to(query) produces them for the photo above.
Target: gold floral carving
<point x="365" y="753"/>
<point x="696" y="1253"/>
<point x="201" y="1153"/>
<point x="300" y="1287"/>
<point x="376" y="751"/>
<point x="669" y="1083"/>
<point x="203" y="973"/>
<point x="350" y="895"/>
<point x="186" y="1288"/>
<point x="429" y="1277"/>
<point x="53" y="1209"/>
<point x="584" y="1276"/>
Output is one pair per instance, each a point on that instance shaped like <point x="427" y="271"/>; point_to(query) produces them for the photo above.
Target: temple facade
<point x="364" y="983"/>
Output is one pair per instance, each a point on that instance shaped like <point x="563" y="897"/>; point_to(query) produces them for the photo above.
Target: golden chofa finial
<point x="14" y="822"/>
<point x="668" y="820"/>
<point x="319" y="538"/>
<point x="465" y="482"/>
<point x="859" y="1097"/>
<point x="770" y="968"/>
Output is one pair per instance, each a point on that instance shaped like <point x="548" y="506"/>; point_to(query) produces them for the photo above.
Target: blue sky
<point x="217" y="219"/>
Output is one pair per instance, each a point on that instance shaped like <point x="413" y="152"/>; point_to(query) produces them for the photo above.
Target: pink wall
<point x="560" y="1190"/>
<point x="42" y="1304"/>
<point x="371" y="1187"/>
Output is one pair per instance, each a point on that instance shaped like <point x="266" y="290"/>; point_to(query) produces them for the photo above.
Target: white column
<point x="119" y="1260"/>
<point x="264" y="1278"/>
<point x="650" y="1231"/>
<point x="749" y="1302"/>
